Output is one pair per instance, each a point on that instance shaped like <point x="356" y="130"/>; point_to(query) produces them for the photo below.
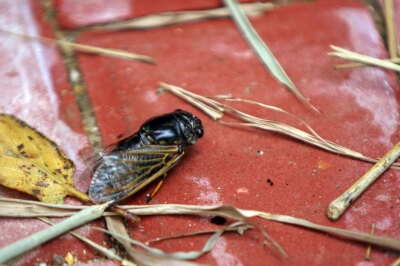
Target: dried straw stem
<point x="356" y="57"/>
<point x="368" y="252"/>
<point x="356" y="65"/>
<point x="216" y="111"/>
<point x="90" y="49"/>
<point x="180" y="17"/>
<point x="340" y="205"/>
<point x="390" y="28"/>
<point x="45" y="209"/>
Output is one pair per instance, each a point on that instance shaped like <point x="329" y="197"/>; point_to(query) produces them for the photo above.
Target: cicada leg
<point x="162" y="178"/>
<point x="124" y="213"/>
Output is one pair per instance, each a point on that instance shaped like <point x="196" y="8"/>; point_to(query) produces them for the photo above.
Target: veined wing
<point x="122" y="174"/>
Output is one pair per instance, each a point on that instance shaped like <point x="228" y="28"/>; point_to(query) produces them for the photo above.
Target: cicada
<point x="132" y="163"/>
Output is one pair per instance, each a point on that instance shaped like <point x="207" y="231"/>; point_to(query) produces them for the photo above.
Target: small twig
<point x="356" y="57"/>
<point x="341" y="204"/>
<point x="90" y="49"/>
<point x="368" y="253"/>
<point x="390" y="28"/>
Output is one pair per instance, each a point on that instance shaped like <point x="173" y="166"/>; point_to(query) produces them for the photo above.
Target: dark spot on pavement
<point x="218" y="220"/>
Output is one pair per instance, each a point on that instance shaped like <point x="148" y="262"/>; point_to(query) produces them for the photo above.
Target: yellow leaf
<point x="20" y="174"/>
<point x="32" y="163"/>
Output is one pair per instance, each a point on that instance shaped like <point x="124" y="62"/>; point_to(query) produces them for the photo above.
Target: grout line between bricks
<point x="75" y="78"/>
<point x="79" y="88"/>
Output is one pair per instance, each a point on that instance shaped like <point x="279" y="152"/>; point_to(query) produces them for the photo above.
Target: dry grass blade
<point x="216" y="111"/>
<point x="396" y="262"/>
<point x="299" y="135"/>
<point x="235" y="213"/>
<point x="116" y="226"/>
<point x="173" y="18"/>
<point x="238" y="214"/>
<point x="281" y="111"/>
<point x="91" y="49"/>
<point x="356" y="57"/>
<point x="193" y="234"/>
<point x="100" y="248"/>
<point x="23" y="245"/>
<point x="213" y="110"/>
<point x="387" y="242"/>
<point x="356" y="65"/>
<point x="239" y="226"/>
<point x="262" y="50"/>
<point x="390" y="28"/>
<point x="9" y="207"/>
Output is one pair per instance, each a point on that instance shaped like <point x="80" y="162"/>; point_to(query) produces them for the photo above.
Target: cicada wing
<point x="121" y="174"/>
<point x="92" y="159"/>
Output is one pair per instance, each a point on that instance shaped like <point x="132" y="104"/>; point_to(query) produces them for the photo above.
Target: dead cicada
<point x="132" y="163"/>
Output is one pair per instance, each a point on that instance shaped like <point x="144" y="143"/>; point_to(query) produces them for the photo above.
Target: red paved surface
<point x="359" y="110"/>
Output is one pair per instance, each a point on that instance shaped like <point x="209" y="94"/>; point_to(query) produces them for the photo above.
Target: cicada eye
<point x="199" y="132"/>
<point x="197" y="127"/>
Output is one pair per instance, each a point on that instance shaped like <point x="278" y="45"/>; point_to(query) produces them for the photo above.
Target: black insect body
<point x="132" y="163"/>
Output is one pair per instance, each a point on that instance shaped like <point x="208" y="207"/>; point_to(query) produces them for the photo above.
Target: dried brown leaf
<point x="31" y="163"/>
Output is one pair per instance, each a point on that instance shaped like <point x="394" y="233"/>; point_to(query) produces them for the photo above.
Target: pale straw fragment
<point x="356" y="57"/>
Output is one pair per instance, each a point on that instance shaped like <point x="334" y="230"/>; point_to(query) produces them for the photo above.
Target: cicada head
<point x="190" y="125"/>
<point x="178" y="127"/>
